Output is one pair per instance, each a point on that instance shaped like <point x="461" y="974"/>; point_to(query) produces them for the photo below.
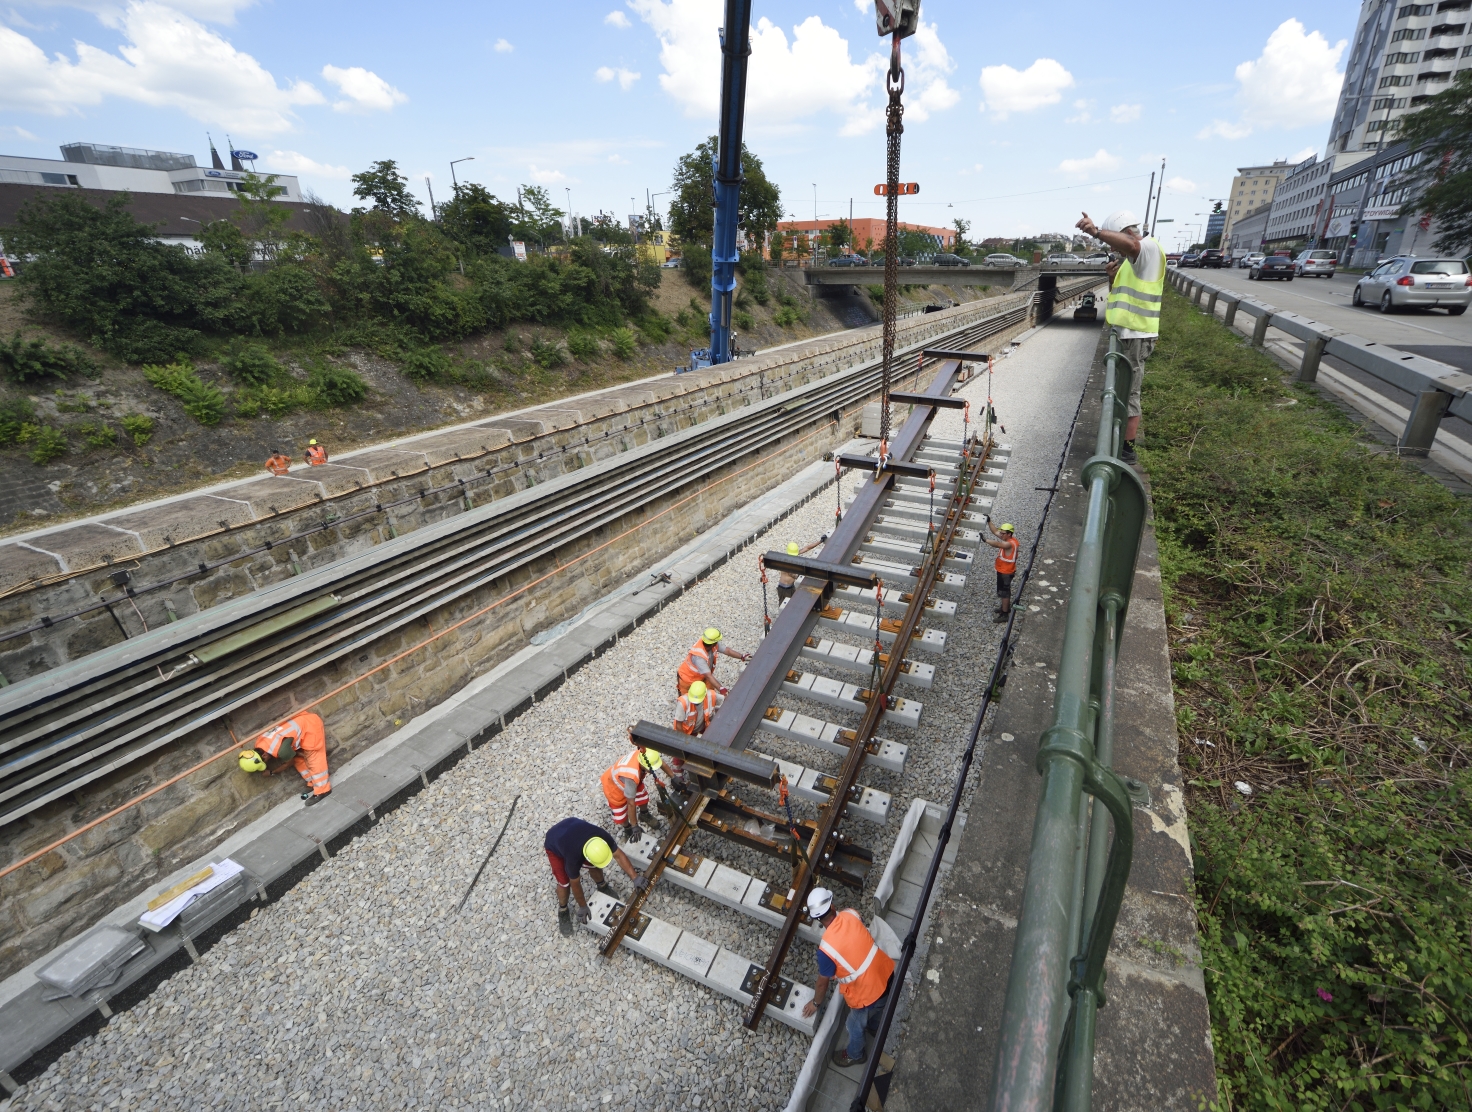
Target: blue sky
<point x="1018" y="115"/>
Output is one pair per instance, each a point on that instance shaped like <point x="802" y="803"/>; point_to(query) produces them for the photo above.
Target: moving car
<point x="1315" y="264"/>
<point x="949" y="260"/>
<point x="1273" y="266"/>
<point x="904" y="260"/>
<point x="1247" y="262"/>
<point x="1098" y="258"/>
<point x="1173" y="257"/>
<point x="1003" y="259"/>
<point x="1190" y="258"/>
<point x="1212" y="258"/>
<point x="849" y="260"/>
<point x="1406" y="282"/>
<point x="1062" y="258"/>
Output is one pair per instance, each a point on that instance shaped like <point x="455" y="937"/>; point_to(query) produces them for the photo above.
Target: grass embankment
<point x="1320" y="603"/>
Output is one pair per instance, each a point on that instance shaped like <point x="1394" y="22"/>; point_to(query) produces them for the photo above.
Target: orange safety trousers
<point x="627" y="771"/>
<point x="307" y="736"/>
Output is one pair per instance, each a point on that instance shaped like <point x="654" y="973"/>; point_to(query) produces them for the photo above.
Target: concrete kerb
<point x="285" y="844"/>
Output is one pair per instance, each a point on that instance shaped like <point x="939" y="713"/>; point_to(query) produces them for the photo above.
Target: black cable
<point x="487" y="861"/>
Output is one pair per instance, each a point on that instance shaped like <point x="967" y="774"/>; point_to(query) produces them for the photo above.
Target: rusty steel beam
<point x="925" y="399"/>
<point x="899" y="467"/>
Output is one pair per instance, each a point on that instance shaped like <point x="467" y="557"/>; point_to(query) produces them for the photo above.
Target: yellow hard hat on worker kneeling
<point x="597" y="853"/>
<point x="697" y="692"/>
<point x="794" y="549"/>
<point x="711" y="636"/>
<point x="651" y="759"/>
<point x="250" y="761"/>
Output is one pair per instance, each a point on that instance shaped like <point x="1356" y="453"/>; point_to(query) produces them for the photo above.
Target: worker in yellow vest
<point x="1136" y="293"/>
<point x="849" y="955"/>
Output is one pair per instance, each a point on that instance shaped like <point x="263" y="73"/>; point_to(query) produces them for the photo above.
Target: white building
<point x="1298" y="215"/>
<point x="94" y="166"/>
<point x="1402" y="55"/>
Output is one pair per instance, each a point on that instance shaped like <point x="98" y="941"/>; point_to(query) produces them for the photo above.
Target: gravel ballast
<point x="362" y="988"/>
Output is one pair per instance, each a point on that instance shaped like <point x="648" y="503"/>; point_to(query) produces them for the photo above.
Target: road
<point x="1430" y="333"/>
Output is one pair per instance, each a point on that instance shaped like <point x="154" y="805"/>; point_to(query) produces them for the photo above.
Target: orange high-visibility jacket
<point x="1007" y="556"/>
<point x="863" y="968"/>
<point x="306" y="737"/>
<point x="316" y="455"/>
<point x="277" y="465"/>
<point x="693" y="718"/>
<point x="623" y="780"/>
<point x="699" y="664"/>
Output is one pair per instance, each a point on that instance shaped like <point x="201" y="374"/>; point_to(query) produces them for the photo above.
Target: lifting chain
<point x="838" y="487"/>
<point x="761" y="563"/>
<point x="930" y="522"/>
<point x="893" y="128"/>
<point x="876" y="673"/>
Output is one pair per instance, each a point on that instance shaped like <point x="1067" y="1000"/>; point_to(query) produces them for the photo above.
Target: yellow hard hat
<point x="794" y="549"/>
<point x="597" y="853"/>
<point x="711" y="636"/>
<point x="651" y="759"/>
<point x="250" y="761"/>
<point x="1008" y="529"/>
<point x="697" y="692"/>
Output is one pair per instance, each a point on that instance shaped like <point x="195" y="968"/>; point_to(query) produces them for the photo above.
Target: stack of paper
<point x="161" y="917"/>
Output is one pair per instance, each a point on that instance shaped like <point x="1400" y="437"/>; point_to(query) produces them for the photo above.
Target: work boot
<point x="1127" y="452"/>
<point x="564" y="922"/>
<point x="607" y="890"/>
<point x="842" y="1060"/>
<point x="308" y="798"/>
<point x="1000" y="617"/>
<point x="646" y="816"/>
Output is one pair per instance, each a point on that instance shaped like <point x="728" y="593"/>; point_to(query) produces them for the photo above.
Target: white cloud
<point x="503" y="47"/>
<point x="17" y="132"/>
<point x="1180" y="185"/>
<point x="290" y="162"/>
<point x="1124" y="113"/>
<point x="617" y="19"/>
<point x="625" y="78"/>
<point x="363" y="90"/>
<point x="1008" y="90"/>
<point x="1294" y="82"/>
<point x="1303" y="154"/>
<point x="926" y="64"/>
<point x="212" y="11"/>
<point x="1084" y="116"/>
<point x="1098" y="162"/>
<point x="167" y="61"/>
<point x="788" y="80"/>
<point x="548" y="177"/>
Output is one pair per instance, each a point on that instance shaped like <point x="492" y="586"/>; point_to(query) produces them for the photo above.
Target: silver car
<point x="1315" y="264"/>
<point x="1407" y="282"/>
<point x="1255" y="258"/>
<point x="1002" y="259"/>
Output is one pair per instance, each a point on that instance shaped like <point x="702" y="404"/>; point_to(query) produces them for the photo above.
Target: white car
<point x="1315" y="264"/>
<point x="1407" y="282"/>
<point x="1003" y="259"/>
<point x="1248" y="262"/>
<point x="1062" y="259"/>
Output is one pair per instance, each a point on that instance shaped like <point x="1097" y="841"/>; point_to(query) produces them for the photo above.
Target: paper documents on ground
<point x="159" y="918"/>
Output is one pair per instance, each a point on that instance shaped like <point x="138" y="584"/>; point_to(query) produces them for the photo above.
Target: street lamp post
<point x="468" y="158"/>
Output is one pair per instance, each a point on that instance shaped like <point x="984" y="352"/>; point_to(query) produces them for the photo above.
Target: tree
<point x="1442" y="131"/>
<point x="839" y="235"/>
<point x="962" y="227"/>
<point x="693" y="211"/>
<point x="477" y="219"/>
<point x="536" y="217"/>
<point x="382" y="184"/>
<point x="259" y="217"/>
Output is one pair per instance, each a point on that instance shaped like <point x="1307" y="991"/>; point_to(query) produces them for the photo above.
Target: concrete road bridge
<point x="1018" y="278"/>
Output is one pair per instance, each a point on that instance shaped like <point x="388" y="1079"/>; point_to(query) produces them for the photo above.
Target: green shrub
<point x="695" y="265"/>
<point x="787" y="316"/>
<point x="425" y="365"/>
<point x="656" y="328"/>
<point x="22" y="359"/>
<point x="754" y="269"/>
<point x="251" y="364"/>
<point x="876" y="294"/>
<point x="139" y="427"/>
<point x="15" y="414"/>
<point x="548" y="353"/>
<point x="583" y="345"/>
<point x="335" y="385"/>
<point x="47" y="443"/>
<point x="744" y="320"/>
<point x="202" y="401"/>
<point x="98" y="435"/>
<point x="512" y="342"/>
<point x="623" y="343"/>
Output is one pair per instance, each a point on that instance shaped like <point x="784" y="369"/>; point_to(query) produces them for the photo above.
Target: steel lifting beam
<point x="961" y="356"/>
<point x="820" y="570"/>
<point x="902" y="468"/>
<point x="737" y="764"/>
<point x="898" y="398"/>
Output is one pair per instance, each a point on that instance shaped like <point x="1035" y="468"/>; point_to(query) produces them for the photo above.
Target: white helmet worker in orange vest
<point x="700" y="661"/>
<point x="300" y="741"/>
<point x="1006" y="546"/>
<point x="849" y="955"/>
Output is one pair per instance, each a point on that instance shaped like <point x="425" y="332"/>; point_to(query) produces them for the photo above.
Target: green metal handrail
<point x="1076" y="873"/>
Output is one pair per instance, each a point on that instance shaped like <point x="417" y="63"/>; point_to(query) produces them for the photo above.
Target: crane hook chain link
<point x="893" y="128"/>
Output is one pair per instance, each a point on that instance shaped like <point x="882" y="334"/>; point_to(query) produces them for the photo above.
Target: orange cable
<point x="393" y="660"/>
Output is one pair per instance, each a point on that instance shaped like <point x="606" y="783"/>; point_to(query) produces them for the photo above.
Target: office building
<point x="95" y="166"/>
<point x="1252" y="188"/>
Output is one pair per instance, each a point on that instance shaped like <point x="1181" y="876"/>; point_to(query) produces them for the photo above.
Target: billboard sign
<point x="1381" y="212"/>
<point x="244" y="156"/>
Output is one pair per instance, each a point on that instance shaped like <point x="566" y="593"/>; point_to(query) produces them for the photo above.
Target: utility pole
<point x="1158" y="195"/>
<point x="433" y="212"/>
<point x="1145" y="227"/>
<point x="454" y="182"/>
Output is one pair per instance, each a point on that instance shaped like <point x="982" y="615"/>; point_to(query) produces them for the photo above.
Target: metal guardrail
<point x="1437" y="388"/>
<point x="1045" y="1055"/>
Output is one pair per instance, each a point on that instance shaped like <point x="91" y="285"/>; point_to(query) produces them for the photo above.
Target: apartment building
<point x="1403" y="54"/>
<point x="1252" y="188"/>
<point x="1298" y="216"/>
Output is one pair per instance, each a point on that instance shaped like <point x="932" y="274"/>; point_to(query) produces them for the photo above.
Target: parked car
<point x="1247" y="262"/>
<point x="1003" y="259"/>
<point x="849" y="260"/>
<point x="1087" y="308"/>
<point x="1190" y="258"/>
<point x="1406" y="282"/>
<point x="904" y="260"/>
<point x="1062" y="258"/>
<point x="1315" y="264"/>
<point x="1273" y="266"/>
<point x="1212" y="258"/>
<point x="1098" y="258"/>
<point x="671" y="264"/>
<point x="949" y="260"/>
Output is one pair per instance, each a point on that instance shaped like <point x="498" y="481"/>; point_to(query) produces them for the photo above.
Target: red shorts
<point x="559" y="870"/>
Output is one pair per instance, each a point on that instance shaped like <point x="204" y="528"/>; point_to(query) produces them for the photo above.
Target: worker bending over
<point x="693" y="711"/>
<point x="787" y="581"/>
<point x="623" y="786"/>
<point x="316" y="454"/>
<point x="300" y="741"/>
<point x="572" y="846"/>
<point x="278" y="462"/>
<point x="700" y="661"/>
<point x="849" y="955"/>
<point x="1006" y="565"/>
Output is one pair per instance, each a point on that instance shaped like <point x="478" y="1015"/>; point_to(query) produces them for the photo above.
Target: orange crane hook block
<point x="905" y="187"/>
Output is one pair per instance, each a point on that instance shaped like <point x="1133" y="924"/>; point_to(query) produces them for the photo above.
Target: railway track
<point x="76" y="724"/>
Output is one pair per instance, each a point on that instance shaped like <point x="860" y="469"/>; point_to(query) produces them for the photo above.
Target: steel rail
<point x="128" y="706"/>
<point x="848" y="774"/>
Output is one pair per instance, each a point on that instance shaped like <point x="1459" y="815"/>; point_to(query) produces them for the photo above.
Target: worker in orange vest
<point x="1006" y="564"/>
<point x="316" y="454"/>
<point x="849" y="955"/>
<point x="787" y="581"/>
<point x="278" y="462"/>
<point x="700" y="661"/>
<point x="693" y="712"/>
<point x="623" y="785"/>
<point x="300" y="741"/>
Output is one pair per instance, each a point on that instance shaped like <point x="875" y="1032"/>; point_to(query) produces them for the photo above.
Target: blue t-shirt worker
<point x="572" y="846"/>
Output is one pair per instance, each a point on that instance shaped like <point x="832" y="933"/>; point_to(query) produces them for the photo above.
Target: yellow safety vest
<point x="1135" y="304"/>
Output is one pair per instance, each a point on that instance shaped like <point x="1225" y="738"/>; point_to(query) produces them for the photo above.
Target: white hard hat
<point x="819" y="901"/>
<point x="1119" y="221"/>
